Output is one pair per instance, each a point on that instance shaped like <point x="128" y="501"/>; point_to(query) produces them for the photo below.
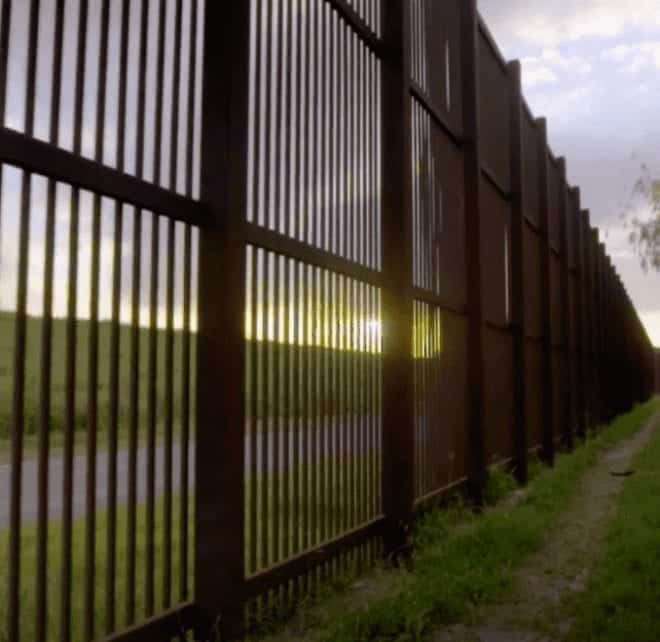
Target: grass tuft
<point x="459" y="568"/>
<point x="621" y="602"/>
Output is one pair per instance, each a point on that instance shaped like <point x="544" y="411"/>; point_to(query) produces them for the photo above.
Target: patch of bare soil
<point x="538" y="607"/>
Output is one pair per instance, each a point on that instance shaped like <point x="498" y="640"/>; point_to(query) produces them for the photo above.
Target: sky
<point x="592" y="68"/>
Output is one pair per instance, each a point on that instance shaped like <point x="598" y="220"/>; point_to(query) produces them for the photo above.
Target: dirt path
<point x="537" y="609"/>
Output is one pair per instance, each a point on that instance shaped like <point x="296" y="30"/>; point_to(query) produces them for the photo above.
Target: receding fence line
<point x="325" y="245"/>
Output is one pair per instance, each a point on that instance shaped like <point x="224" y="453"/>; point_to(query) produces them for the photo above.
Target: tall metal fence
<point x="274" y="275"/>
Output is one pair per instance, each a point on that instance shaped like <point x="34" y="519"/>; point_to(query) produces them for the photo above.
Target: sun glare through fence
<point x="326" y="367"/>
<point x="313" y="397"/>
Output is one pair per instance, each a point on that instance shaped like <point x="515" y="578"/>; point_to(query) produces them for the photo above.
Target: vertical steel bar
<point x="287" y="407"/>
<point x="305" y="406"/>
<point x="71" y="340"/>
<point x="269" y="73"/>
<point x="590" y="375"/>
<point x="334" y="408"/>
<point x="169" y="332"/>
<point x="597" y="327"/>
<point x="333" y="108"/>
<point x="312" y="365"/>
<point x="20" y="347"/>
<point x="376" y="409"/>
<point x="472" y="179"/>
<point x="113" y="429"/>
<point x="369" y="406"/>
<point x="169" y="415"/>
<point x="4" y="56"/>
<point x="276" y="167"/>
<point x="314" y="121"/>
<point x="548" y="452"/>
<point x="152" y="418"/>
<point x="134" y="400"/>
<point x="324" y="182"/>
<point x="134" y="397"/>
<point x="344" y="45"/>
<point x="46" y="354"/>
<point x="93" y="354"/>
<point x="298" y="169"/>
<point x="275" y="471"/>
<point x="354" y="384"/>
<point x="362" y="126"/>
<point x="133" y="422"/>
<point x="220" y="444"/>
<point x="360" y="349"/>
<point x="265" y="412"/>
<point x="152" y="367"/>
<point x="357" y="411"/>
<point x="566" y="321"/>
<point x="398" y="369"/>
<point x="517" y="324"/>
<point x="257" y="126"/>
<point x="254" y="347"/>
<point x="287" y="44"/>
<point x="324" y="384"/>
<point x="254" y="406"/>
<point x="184" y="493"/>
<point x="324" y="216"/>
<point x="297" y="401"/>
<point x="344" y="405"/>
<point x="580" y="313"/>
<point x="352" y="149"/>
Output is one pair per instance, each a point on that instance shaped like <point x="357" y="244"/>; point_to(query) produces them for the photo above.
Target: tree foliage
<point x="644" y="230"/>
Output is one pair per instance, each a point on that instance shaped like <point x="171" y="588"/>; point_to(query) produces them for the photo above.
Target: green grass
<point x="336" y="505"/>
<point x="265" y="387"/>
<point x="33" y="368"/>
<point x="623" y="596"/>
<point x="28" y="570"/>
<point x="458" y="568"/>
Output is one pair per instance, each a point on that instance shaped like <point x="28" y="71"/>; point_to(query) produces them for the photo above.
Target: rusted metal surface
<point x="323" y="247"/>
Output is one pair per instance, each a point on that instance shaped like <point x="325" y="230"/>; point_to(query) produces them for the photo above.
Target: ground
<point x="568" y="558"/>
<point x="538" y="609"/>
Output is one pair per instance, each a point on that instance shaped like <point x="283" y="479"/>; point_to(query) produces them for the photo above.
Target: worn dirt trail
<point x="538" y="607"/>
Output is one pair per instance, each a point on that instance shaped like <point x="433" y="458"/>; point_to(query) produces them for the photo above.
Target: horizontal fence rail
<point x="274" y="276"/>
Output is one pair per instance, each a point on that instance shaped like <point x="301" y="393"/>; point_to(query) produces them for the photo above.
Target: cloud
<point x="562" y="105"/>
<point x="534" y="75"/>
<point x="552" y="23"/>
<point x="547" y="68"/>
<point x="651" y="321"/>
<point x="635" y="58"/>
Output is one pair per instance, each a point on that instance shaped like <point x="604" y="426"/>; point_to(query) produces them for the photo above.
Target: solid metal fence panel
<point x="567" y="319"/>
<point x="521" y="365"/>
<point x="536" y="295"/>
<point x="494" y="112"/>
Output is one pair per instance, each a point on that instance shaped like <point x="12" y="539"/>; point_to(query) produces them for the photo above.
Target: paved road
<point x="334" y="434"/>
<point x="56" y="472"/>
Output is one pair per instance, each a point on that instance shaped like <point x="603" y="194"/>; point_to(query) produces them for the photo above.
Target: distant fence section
<point x="274" y="276"/>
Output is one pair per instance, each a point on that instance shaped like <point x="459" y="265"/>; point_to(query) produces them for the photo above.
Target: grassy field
<point x="28" y="571"/>
<point x="457" y="568"/>
<point x="269" y="539"/>
<point x="623" y="595"/>
<point x="58" y="387"/>
<point x="266" y="393"/>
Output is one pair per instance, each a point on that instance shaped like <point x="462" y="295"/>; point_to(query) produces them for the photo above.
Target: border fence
<point x="275" y="275"/>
